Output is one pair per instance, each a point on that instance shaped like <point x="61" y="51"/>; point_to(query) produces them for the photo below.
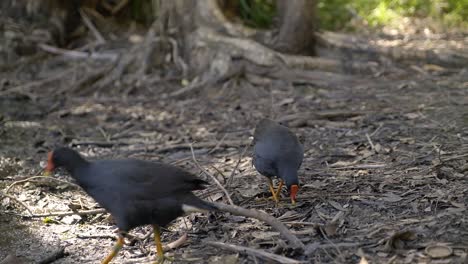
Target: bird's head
<point x="62" y="157"/>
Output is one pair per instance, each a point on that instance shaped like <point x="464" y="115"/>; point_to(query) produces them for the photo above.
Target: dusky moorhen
<point x="134" y="192"/>
<point x="277" y="152"/>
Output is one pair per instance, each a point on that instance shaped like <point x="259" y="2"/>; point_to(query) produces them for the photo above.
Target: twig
<point x="119" y="6"/>
<point x="147" y="48"/>
<point x="217" y="145"/>
<point x="455" y="157"/>
<point x="84" y="212"/>
<point x="172" y="147"/>
<point x="78" y="54"/>
<point x="224" y="144"/>
<point x="212" y="176"/>
<point x="5" y="195"/>
<point x="301" y="223"/>
<point x="101" y="144"/>
<point x="176" y="243"/>
<point x="29" y="85"/>
<point x="219" y="171"/>
<point x="91" y="27"/>
<point x="376" y="130"/>
<point x="37" y="177"/>
<point x="111" y="236"/>
<point x="231" y="177"/>
<point x="253" y="252"/>
<point x="177" y="59"/>
<point x="370" y="142"/>
<point x="361" y="166"/>
<point x="275" y="223"/>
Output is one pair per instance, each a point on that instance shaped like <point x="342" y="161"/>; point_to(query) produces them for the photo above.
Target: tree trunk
<point x="297" y="25"/>
<point x="210" y="39"/>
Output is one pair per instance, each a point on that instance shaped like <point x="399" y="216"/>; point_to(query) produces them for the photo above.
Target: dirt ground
<point x="384" y="176"/>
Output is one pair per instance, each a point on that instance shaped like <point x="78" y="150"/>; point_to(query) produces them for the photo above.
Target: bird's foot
<point x="162" y="259"/>
<point x="274" y="198"/>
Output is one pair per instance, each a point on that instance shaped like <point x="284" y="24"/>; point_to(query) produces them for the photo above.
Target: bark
<point x="297" y="25"/>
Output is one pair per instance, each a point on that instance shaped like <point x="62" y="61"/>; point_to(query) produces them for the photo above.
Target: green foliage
<point x="340" y="14"/>
<point x="335" y="14"/>
<point x="257" y="13"/>
<point x="49" y="220"/>
<point x="142" y="11"/>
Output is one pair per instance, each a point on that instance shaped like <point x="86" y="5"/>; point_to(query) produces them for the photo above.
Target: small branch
<point x="176" y="243"/>
<point x="455" y="157"/>
<point x="157" y="148"/>
<point x="177" y="59"/>
<point x="85" y="212"/>
<point x="212" y="176"/>
<point x="111" y="236"/>
<point x="273" y="222"/>
<point x="217" y="144"/>
<point x="224" y="144"/>
<point x="91" y="27"/>
<point x="78" y="54"/>
<point x="119" y="6"/>
<point x="23" y="88"/>
<point x="147" y="48"/>
<point x="39" y="177"/>
<point x="361" y="166"/>
<point x="101" y="144"/>
<point x="231" y="177"/>
<point x="254" y="252"/>
<point x="370" y="142"/>
<point x="5" y="195"/>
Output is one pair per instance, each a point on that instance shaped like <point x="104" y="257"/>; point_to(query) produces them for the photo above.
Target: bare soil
<point x="384" y="176"/>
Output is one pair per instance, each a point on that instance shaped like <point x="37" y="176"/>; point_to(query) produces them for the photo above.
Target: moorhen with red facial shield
<point x="277" y="152"/>
<point x="134" y="192"/>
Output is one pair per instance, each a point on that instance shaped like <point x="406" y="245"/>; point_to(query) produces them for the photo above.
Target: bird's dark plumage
<point x="277" y="152"/>
<point x="134" y="192"/>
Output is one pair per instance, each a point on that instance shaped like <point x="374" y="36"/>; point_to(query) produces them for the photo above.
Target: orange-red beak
<point x="293" y="192"/>
<point x="50" y="164"/>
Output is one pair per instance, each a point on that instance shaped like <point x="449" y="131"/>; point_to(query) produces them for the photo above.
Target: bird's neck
<point x="75" y="167"/>
<point x="289" y="175"/>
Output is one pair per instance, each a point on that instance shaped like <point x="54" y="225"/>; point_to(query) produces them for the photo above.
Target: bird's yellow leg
<point x="117" y="247"/>
<point x="272" y="190"/>
<point x="279" y="188"/>
<point x="159" y="248"/>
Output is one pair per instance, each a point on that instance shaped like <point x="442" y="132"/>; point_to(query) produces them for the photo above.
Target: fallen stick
<point x="212" y="177"/>
<point x="79" y="54"/>
<point x="84" y="212"/>
<point x="5" y="195"/>
<point x="157" y="148"/>
<point x="254" y="252"/>
<point x="273" y="222"/>
<point x="39" y="177"/>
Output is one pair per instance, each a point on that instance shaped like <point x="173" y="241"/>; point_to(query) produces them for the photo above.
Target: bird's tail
<point x="195" y="204"/>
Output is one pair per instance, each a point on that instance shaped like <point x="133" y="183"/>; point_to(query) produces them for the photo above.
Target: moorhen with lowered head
<point x="134" y="192"/>
<point x="277" y="152"/>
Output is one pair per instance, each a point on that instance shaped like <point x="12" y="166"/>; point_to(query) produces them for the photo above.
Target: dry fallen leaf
<point x="363" y="261"/>
<point x="336" y="205"/>
<point x="330" y="229"/>
<point x="264" y="235"/>
<point x="391" y="197"/>
<point x="438" y="251"/>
